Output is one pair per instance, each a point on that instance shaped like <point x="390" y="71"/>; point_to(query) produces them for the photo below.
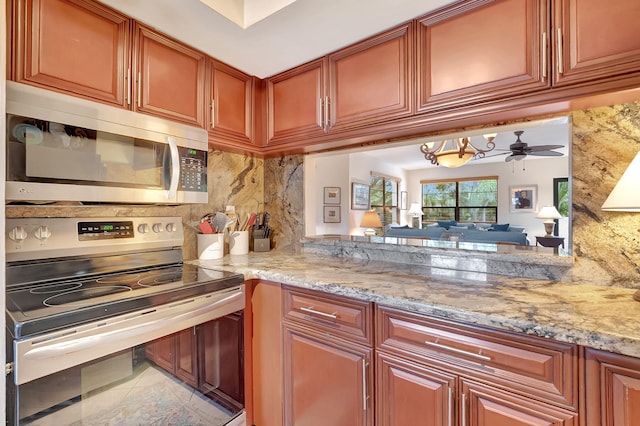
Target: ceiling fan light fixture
<point x="459" y="151"/>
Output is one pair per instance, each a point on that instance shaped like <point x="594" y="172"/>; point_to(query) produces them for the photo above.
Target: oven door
<point x="166" y="365"/>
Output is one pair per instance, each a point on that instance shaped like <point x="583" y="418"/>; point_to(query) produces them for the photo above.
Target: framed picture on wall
<point x="403" y="200"/>
<point x="331" y="214"/>
<point x="332" y="195"/>
<point x="523" y="199"/>
<point x="359" y="196"/>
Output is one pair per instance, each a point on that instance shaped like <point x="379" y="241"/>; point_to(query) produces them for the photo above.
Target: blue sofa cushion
<point x="499" y="227"/>
<point x="433" y="232"/>
<point x="467" y="235"/>
<point x="447" y="223"/>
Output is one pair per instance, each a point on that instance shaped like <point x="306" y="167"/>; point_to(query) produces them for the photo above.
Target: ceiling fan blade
<point x="516" y="157"/>
<point x="543" y="148"/>
<point x="547" y="153"/>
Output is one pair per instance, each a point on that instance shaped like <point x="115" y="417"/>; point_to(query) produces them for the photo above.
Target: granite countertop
<point x="595" y="316"/>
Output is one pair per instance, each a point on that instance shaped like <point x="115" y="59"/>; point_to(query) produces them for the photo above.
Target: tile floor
<point x="149" y="397"/>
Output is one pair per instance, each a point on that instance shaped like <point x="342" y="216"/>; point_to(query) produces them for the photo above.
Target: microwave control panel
<point x="193" y="169"/>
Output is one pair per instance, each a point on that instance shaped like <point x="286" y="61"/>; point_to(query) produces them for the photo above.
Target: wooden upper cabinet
<point x="612" y="388"/>
<point x="230" y="112"/>
<point x="170" y="78"/>
<point x="593" y="39"/>
<point x="295" y="102"/>
<point x="74" y="46"/>
<point x="371" y="81"/>
<point x="480" y="51"/>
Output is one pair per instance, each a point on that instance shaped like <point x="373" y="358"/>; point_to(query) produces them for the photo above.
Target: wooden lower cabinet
<point x="327" y="381"/>
<point x="412" y="394"/>
<point x="484" y="405"/>
<point x="208" y="357"/>
<point x="612" y="389"/>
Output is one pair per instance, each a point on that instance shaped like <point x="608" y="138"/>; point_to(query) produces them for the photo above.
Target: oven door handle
<point x="48" y="354"/>
<point x="134" y="330"/>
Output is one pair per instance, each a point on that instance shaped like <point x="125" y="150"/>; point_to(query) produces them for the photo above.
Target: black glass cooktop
<point x="51" y="306"/>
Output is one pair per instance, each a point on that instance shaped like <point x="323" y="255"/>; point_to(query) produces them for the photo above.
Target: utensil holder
<point x="210" y="246"/>
<point x="239" y="242"/>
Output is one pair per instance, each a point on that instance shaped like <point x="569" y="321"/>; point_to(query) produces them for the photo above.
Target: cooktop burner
<point x="50" y="306"/>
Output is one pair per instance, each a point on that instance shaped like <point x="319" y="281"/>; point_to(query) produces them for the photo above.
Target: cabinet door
<point x="483" y="405"/>
<point x="170" y="78"/>
<point x="230" y="113"/>
<point x="73" y="46"/>
<point x="409" y="394"/>
<point x="596" y="39"/>
<point x="222" y="360"/>
<point x="325" y="382"/>
<point x="295" y="103"/>
<point x="186" y="356"/>
<point x="372" y="81"/>
<point x="161" y="352"/>
<point x="612" y="386"/>
<point x="468" y="53"/>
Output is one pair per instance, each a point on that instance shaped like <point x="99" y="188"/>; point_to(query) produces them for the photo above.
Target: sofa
<point x="468" y="232"/>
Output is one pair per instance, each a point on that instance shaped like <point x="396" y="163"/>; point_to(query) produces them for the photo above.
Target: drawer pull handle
<point x="458" y="351"/>
<point x="310" y="310"/>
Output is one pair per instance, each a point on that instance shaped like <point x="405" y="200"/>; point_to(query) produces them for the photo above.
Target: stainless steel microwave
<point x="62" y="148"/>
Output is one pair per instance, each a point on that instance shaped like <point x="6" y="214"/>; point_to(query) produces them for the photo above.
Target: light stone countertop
<point x="595" y="316"/>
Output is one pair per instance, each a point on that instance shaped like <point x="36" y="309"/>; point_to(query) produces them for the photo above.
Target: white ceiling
<point x="298" y="33"/>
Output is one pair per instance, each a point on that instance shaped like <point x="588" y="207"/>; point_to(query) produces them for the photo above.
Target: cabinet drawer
<point x="532" y="366"/>
<point x="349" y="318"/>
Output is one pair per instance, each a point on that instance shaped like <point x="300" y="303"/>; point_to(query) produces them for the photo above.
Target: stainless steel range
<point x="93" y="308"/>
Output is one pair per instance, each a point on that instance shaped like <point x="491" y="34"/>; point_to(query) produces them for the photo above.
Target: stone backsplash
<point x="606" y="244"/>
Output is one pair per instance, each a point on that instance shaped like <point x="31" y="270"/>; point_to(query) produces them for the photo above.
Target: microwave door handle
<point x="175" y="168"/>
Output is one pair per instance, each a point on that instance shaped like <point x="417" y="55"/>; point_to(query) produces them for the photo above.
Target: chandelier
<point x="455" y="152"/>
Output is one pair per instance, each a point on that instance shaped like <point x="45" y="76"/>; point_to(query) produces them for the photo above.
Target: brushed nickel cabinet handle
<point x="326" y="114"/>
<point x="458" y="351"/>
<point x="139" y="88"/>
<point x="213" y="113"/>
<point x="364" y="384"/>
<point x="544" y="55"/>
<point x="128" y="89"/>
<point x="450" y="411"/>
<point x="464" y="409"/>
<point x="560" y="54"/>
<point x="310" y="310"/>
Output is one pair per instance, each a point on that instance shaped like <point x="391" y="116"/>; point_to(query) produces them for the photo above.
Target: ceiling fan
<point x="519" y="150"/>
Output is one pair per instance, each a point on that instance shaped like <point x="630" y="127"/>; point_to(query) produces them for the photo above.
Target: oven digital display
<point x="104" y="230"/>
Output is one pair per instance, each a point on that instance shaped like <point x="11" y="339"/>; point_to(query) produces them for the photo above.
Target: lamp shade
<point x="625" y="196"/>
<point x="371" y="220"/>
<point x="549" y="212"/>
<point x="415" y="210"/>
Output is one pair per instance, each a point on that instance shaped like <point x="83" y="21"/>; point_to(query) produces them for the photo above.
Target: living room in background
<point x="463" y="200"/>
<point x="384" y="197"/>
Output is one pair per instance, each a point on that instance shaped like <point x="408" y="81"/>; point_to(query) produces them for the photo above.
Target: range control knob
<point x="43" y="232"/>
<point x="143" y="228"/>
<point x="171" y="227"/>
<point x="157" y="227"/>
<point x="18" y="234"/>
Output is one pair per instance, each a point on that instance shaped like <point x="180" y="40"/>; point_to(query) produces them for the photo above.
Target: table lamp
<point x="370" y="220"/>
<point x="415" y="211"/>
<point x="550" y="213"/>
<point x="625" y="196"/>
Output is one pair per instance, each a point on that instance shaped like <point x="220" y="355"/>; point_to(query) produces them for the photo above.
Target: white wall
<point x="340" y="170"/>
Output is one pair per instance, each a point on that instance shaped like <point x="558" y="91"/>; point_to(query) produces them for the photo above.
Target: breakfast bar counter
<point x="600" y="317"/>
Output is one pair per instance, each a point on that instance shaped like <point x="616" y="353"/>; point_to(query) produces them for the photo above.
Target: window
<point x="384" y="197"/>
<point x="463" y="200"/>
